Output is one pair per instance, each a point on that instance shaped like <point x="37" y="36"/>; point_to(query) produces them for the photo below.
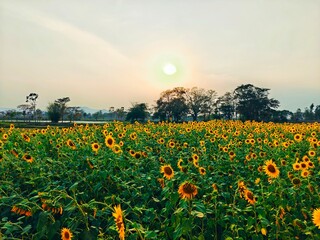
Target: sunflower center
<point x="66" y="235"/>
<point x="110" y="141"/>
<point x="168" y="170"/>
<point x="271" y="169"/>
<point x="188" y="188"/>
<point x="250" y="195"/>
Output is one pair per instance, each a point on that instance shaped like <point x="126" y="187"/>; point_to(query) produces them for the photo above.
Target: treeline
<point x="246" y="102"/>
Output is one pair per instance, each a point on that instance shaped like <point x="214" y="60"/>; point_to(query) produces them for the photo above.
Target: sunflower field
<point x="195" y="180"/>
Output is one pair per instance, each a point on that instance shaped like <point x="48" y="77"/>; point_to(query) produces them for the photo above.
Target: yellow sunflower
<point x="305" y="173"/>
<point x="312" y="153"/>
<point x="271" y="169"/>
<point x="95" y="147"/>
<point x="187" y="190"/>
<point x="316" y="217"/>
<point x="248" y="195"/>
<point x="109" y="141"/>
<point x="296" y="182"/>
<point x="27" y="158"/>
<point x="167" y="171"/>
<point x="202" y="171"/>
<point x="71" y="144"/>
<point x="66" y="234"/>
<point x="118" y="218"/>
<point x="297" y="137"/>
<point x="296" y="166"/>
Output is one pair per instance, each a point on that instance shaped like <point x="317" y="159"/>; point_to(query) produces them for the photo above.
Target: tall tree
<point x="252" y="103"/>
<point x="54" y="112"/>
<point x="298" y="116"/>
<point x="226" y="105"/>
<point x="138" y="112"/>
<point x="317" y="113"/>
<point x="62" y="103"/>
<point x="32" y="100"/>
<point x="171" y="105"/>
<point x="200" y="101"/>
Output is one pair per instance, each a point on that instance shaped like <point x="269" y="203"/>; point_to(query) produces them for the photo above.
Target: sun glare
<point x="169" y="69"/>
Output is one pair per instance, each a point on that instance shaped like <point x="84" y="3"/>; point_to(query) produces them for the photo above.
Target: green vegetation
<point x="195" y="180"/>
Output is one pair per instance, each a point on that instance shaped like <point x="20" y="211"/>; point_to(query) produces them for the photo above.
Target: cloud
<point x="70" y="31"/>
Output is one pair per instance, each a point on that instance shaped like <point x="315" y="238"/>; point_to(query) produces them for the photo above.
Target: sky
<point x="103" y="53"/>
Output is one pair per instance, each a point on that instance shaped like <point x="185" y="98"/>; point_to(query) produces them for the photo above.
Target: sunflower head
<point x="109" y="141"/>
<point x="66" y="234"/>
<point x="167" y="171"/>
<point x="271" y="169"/>
<point x="187" y="190"/>
<point x="248" y="195"/>
<point x="316" y="217"/>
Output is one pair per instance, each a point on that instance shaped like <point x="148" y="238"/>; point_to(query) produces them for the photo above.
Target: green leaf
<point x="197" y="214"/>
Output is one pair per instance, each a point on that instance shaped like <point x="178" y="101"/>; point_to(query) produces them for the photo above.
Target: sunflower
<point x="296" y="182"/>
<point x="271" y="169"/>
<point x="160" y="141"/>
<point x="161" y="181"/>
<point x="296" y="166"/>
<point x="312" y="153"/>
<point x="95" y="147"/>
<point x="109" y="141"/>
<point x="5" y="136"/>
<point x="118" y="218"/>
<point x="179" y="164"/>
<point x="316" y="217"/>
<point x="27" y="158"/>
<point x="167" y="171"/>
<point x="304" y="165"/>
<point x="116" y="148"/>
<point x="71" y="144"/>
<point x="66" y="234"/>
<point x="248" y="195"/>
<point x="202" y="171"/>
<point x="264" y="231"/>
<point x="305" y="158"/>
<point x="171" y="144"/>
<point x="187" y="190"/>
<point x="137" y="155"/>
<point x="25" y="137"/>
<point x="305" y="173"/>
<point x="310" y="164"/>
<point x="297" y="137"/>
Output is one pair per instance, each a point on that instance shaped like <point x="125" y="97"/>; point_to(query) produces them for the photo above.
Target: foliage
<point x="252" y="103"/>
<point x="138" y="112"/>
<point x="200" y="101"/>
<point x="62" y="103"/>
<point x="171" y="105"/>
<point x="76" y="177"/>
<point x="54" y="112"/>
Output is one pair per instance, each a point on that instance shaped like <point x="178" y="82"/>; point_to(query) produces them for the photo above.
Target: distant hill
<point x="4" y="109"/>
<point x="92" y="110"/>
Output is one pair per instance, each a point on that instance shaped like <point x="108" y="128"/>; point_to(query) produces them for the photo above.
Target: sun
<point x="169" y="69"/>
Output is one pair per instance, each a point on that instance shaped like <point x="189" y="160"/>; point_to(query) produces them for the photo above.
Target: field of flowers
<point x="196" y="180"/>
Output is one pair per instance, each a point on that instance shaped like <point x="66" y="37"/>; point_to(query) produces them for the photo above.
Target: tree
<point x="298" y="116"/>
<point x="171" y="105"/>
<point x="62" y="103"/>
<point x="225" y="105"/>
<point x="26" y="110"/>
<point x="317" y="113"/>
<point x="252" y="103"/>
<point x="199" y="101"/>
<point x="54" y="112"/>
<point x="32" y="99"/>
<point x="138" y="112"/>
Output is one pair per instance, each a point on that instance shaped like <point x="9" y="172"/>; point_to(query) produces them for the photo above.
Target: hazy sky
<point x="103" y="53"/>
